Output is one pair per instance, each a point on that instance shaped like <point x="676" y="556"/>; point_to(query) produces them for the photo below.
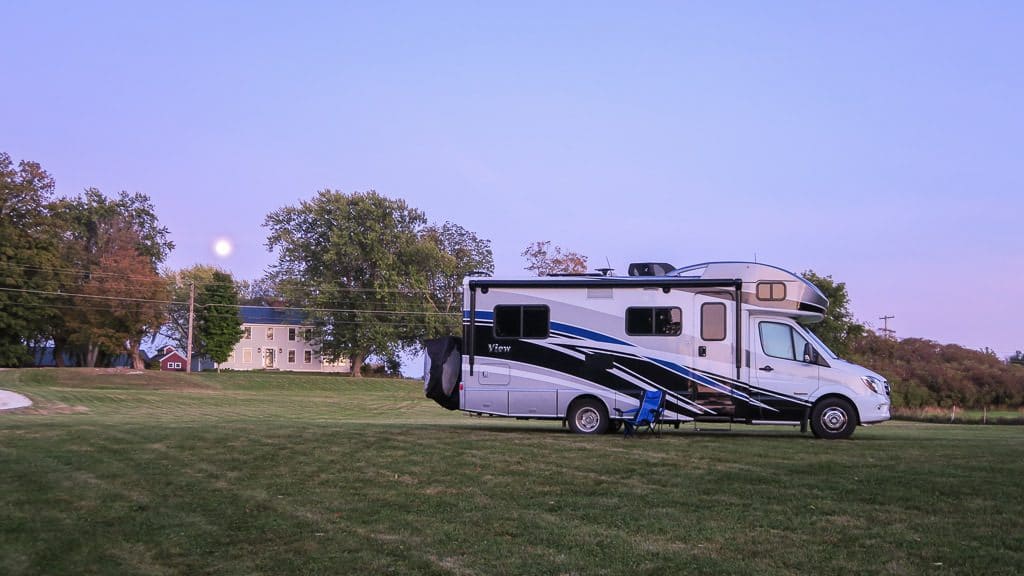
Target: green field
<point x="155" y="473"/>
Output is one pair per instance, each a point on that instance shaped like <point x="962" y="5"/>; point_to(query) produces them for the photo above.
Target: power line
<point x="95" y="273"/>
<point x="236" y="306"/>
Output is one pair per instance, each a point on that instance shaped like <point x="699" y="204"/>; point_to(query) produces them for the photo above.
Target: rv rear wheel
<point x="833" y="419"/>
<point x="588" y="416"/>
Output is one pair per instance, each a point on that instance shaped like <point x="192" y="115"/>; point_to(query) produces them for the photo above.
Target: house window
<point x="246" y="355"/>
<point x="666" y="321"/>
<point x="712" y="321"/>
<point x="307" y="334"/>
<point x="307" y="356"/>
<point x="291" y="334"/>
<point x="174" y="365"/>
<point x="270" y="333"/>
<point x="248" y="332"/>
<point x="771" y="291"/>
<point x="291" y="356"/>
<point x="521" y="321"/>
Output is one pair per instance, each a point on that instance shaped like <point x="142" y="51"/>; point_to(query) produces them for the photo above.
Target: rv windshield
<point x="814" y="338"/>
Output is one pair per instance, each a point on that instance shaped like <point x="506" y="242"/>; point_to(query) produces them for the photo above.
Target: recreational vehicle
<point x="724" y="341"/>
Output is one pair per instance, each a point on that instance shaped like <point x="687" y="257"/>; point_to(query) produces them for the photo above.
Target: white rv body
<point x="725" y="341"/>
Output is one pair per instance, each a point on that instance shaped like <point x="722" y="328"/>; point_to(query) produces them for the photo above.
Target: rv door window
<point x="712" y="321"/>
<point x="521" y="321"/>
<point x="654" y="321"/>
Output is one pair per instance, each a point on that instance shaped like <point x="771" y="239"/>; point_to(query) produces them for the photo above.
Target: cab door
<point x="782" y="360"/>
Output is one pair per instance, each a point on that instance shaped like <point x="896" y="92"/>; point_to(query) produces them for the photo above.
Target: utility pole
<point x="191" y="317"/>
<point x="886" y="332"/>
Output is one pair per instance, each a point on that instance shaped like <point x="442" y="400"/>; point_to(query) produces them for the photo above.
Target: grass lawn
<point x="263" y="473"/>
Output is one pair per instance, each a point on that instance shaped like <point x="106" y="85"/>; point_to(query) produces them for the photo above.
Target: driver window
<point x="781" y="341"/>
<point x="777" y="340"/>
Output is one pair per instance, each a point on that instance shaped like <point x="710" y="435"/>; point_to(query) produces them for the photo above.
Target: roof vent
<point x="650" y="268"/>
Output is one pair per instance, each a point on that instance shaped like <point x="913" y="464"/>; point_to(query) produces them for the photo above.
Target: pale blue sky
<point x="879" y="142"/>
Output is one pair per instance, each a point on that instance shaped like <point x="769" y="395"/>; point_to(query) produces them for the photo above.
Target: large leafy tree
<point x="839" y="328"/>
<point x="542" y="259"/>
<point x="462" y="253"/>
<point x="122" y="301"/>
<point x="28" y="257"/>
<point x="359" y="263"/>
<point x="108" y="238"/>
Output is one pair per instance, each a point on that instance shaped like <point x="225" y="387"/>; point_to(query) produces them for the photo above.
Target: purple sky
<point x="879" y="142"/>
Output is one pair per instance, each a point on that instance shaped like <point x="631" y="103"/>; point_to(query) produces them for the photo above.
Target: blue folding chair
<point x="647" y="417"/>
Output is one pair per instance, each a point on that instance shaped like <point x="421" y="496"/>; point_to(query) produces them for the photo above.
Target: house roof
<point x="170" y="351"/>
<point x="269" y="315"/>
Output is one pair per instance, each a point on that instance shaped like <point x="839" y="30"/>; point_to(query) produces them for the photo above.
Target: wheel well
<point x="583" y="397"/>
<point x="853" y="404"/>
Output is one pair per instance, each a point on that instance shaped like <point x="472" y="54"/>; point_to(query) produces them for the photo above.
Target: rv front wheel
<point x="833" y="419"/>
<point x="588" y="416"/>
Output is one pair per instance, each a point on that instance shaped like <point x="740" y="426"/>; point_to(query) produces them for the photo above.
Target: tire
<point x="833" y="419"/>
<point x="588" y="416"/>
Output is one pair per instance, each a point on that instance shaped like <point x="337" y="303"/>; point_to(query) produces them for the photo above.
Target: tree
<point x="28" y="258"/>
<point x="358" y="262"/>
<point x="260" y="292"/>
<point x="122" y="300"/>
<point x="838" y="327"/>
<point x="925" y="373"/>
<point x="462" y="253"/>
<point x="543" y="260"/>
<point x="217" y="325"/>
<point x="97" y="235"/>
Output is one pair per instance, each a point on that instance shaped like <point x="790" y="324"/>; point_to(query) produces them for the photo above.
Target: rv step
<point x="723" y="425"/>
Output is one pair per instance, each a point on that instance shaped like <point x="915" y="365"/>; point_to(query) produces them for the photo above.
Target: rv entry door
<point x="714" y="347"/>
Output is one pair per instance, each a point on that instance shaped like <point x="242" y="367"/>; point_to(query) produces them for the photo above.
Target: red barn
<point x="172" y="360"/>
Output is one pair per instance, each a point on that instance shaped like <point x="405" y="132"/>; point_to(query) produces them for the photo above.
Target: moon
<point x="223" y="248"/>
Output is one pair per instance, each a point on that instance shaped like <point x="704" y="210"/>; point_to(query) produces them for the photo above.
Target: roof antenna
<point x="755" y="257"/>
<point x="606" y="271"/>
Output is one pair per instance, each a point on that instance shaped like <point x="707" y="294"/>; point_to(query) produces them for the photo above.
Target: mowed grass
<point x="263" y="473"/>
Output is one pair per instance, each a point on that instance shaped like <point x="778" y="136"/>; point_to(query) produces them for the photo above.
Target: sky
<point x="876" y="142"/>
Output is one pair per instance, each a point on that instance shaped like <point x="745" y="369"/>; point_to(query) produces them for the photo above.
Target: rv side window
<point x="781" y="341"/>
<point x="654" y="321"/>
<point x="521" y="321"/>
<point x="712" y="321"/>
<point x="771" y="291"/>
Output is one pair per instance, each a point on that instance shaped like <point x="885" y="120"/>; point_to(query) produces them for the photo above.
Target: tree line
<point x="83" y="275"/>
<point x="921" y="373"/>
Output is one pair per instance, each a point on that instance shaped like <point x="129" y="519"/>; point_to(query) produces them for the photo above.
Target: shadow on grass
<point x="554" y="428"/>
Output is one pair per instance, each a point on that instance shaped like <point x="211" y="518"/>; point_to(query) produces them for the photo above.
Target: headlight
<point x="873" y="384"/>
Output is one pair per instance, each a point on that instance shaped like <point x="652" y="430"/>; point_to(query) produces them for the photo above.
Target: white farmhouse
<point x="278" y="339"/>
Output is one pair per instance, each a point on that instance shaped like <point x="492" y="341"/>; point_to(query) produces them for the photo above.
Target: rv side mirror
<point x="810" y="354"/>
